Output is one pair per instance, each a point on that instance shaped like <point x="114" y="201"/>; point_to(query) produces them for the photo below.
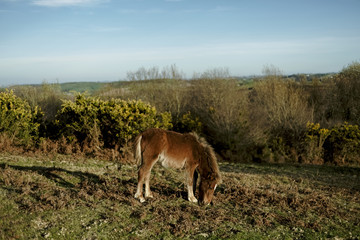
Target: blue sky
<point x="101" y="40"/>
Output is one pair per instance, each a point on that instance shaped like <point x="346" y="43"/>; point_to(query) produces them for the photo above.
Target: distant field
<point x="60" y="197"/>
<point x="90" y="87"/>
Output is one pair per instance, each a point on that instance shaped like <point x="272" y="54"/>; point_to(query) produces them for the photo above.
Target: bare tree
<point x="168" y="72"/>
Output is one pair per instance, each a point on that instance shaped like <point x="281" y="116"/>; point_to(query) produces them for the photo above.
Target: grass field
<point x="61" y="197"/>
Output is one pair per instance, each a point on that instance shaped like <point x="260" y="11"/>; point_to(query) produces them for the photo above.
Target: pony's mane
<point x="211" y="159"/>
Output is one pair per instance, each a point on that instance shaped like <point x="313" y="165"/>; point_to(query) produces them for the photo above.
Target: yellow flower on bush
<point x="118" y="121"/>
<point x="17" y="119"/>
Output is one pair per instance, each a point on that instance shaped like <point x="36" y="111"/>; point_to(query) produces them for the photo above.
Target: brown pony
<point x="176" y="150"/>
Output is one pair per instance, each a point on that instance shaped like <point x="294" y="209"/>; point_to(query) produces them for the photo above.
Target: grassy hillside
<point x="89" y="87"/>
<point x="62" y="197"/>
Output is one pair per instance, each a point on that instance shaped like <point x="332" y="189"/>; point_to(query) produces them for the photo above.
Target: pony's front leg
<point x="139" y="194"/>
<point x="191" y="185"/>
<point x="191" y="196"/>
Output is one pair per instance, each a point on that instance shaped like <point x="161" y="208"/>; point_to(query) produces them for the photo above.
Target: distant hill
<point x="93" y="87"/>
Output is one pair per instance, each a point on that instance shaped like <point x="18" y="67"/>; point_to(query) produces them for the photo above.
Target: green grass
<point x="61" y="197"/>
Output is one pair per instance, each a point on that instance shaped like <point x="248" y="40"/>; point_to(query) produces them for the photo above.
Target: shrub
<point x="47" y="96"/>
<point x="279" y="108"/>
<point x="18" y="120"/>
<point x="315" y="138"/>
<point x="343" y="145"/>
<point x="96" y="122"/>
<point x="347" y="93"/>
<point x="221" y="106"/>
<point x="321" y="98"/>
<point x="78" y="120"/>
<point x="188" y="123"/>
<point x="170" y="95"/>
<point x="122" y="120"/>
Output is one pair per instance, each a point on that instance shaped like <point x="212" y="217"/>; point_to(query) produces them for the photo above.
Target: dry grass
<point x="66" y="198"/>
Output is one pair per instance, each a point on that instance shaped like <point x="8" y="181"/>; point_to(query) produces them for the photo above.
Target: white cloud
<point x="64" y="3"/>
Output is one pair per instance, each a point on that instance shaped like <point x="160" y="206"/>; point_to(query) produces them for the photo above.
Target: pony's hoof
<point x="141" y="198"/>
<point x="193" y="199"/>
<point x="150" y="195"/>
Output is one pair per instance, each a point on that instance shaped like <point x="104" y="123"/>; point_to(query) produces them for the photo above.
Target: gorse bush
<point x="78" y="120"/>
<point x="18" y="120"/>
<point x="96" y="122"/>
<point x="339" y="145"/>
<point x="343" y="145"/>
<point x="315" y="138"/>
<point x="122" y="120"/>
<point x="188" y="123"/>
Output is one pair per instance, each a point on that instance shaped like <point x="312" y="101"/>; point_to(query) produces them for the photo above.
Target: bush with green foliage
<point x="122" y="120"/>
<point x="18" y="120"/>
<point x="343" y="145"/>
<point x="113" y="122"/>
<point x="78" y="120"/>
<point x="338" y="145"/>
<point x="188" y="123"/>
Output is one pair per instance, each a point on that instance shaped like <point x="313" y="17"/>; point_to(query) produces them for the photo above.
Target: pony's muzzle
<point x="205" y="203"/>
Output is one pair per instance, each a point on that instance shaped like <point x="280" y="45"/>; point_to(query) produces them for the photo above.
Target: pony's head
<point x="209" y="171"/>
<point x="210" y="176"/>
<point x="207" y="188"/>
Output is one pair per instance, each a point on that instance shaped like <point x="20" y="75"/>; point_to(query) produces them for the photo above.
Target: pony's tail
<point x="138" y="158"/>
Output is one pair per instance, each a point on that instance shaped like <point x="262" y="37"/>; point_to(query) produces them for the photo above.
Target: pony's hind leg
<point x="148" y="193"/>
<point x="139" y="191"/>
<point x="144" y="176"/>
